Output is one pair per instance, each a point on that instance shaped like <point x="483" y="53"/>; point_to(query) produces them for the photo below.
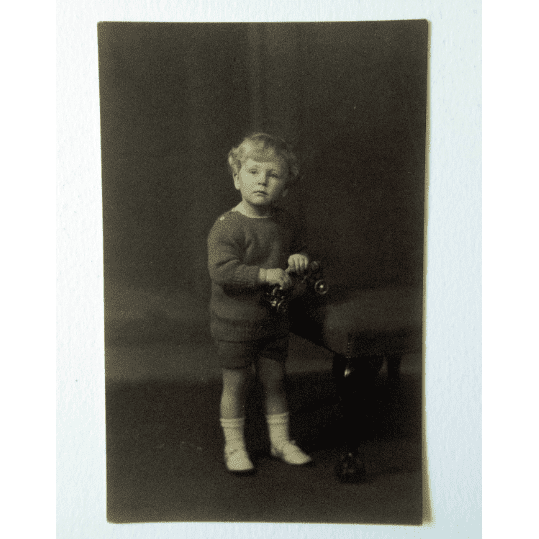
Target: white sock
<point x="278" y="429"/>
<point x="233" y="432"/>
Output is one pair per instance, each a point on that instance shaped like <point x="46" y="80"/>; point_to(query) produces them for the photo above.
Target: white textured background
<point x="453" y="368"/>
<point x="454" y="325"/>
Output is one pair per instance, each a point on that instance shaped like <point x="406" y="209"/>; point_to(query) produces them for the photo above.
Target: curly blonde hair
<point x="262" y="144"/>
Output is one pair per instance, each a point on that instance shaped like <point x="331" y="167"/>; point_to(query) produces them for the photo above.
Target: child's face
<point x="262" y="183"/>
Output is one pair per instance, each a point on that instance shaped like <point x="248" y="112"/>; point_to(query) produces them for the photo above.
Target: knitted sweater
<point x="238" y="246"/>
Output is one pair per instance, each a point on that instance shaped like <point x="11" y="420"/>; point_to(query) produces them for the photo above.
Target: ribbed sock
<point x="278" y="429"/>
<point x="233" y="432"/>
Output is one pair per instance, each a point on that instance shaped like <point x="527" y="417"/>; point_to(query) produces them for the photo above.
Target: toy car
<point x="312" y="279"/>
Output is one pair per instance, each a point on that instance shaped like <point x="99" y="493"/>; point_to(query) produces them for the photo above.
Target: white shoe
<point x="237" y="461"/>
<point x="291" y="454"/>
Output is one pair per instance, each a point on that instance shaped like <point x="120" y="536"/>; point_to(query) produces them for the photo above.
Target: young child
<point x="254" y="245"/>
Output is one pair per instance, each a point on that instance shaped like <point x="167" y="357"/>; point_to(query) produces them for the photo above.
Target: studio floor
<point x="164" y="445"/>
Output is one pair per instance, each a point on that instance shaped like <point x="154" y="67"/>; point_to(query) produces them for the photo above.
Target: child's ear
<point x="236" y="182"/>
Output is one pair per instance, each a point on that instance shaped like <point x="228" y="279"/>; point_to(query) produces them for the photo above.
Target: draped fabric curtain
<point x="351" y="98"/>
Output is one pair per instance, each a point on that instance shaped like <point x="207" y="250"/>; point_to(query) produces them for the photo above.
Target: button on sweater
<point x="238" y="246"/>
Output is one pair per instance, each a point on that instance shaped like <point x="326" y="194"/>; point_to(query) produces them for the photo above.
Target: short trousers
<point x="235" y="355"/>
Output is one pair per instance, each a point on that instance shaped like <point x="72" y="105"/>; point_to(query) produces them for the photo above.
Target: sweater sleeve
<point x="225" y="253"/>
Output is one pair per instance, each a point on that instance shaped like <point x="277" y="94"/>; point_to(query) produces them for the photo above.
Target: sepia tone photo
<point x="264" y="192"/>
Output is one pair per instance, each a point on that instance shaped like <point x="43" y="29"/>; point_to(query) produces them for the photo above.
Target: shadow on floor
<point x="164" y="458"/>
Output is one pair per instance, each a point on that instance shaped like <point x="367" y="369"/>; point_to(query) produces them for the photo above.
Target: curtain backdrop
<point x="351" y="98"/>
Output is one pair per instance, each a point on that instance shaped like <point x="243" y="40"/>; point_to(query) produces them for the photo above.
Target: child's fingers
<point x="297" y="264"/>
<point x="300" y="266"/>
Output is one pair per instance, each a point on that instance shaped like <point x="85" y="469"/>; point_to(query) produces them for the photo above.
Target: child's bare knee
<point x="271" y="375"/>
<point x="234" y="379"/>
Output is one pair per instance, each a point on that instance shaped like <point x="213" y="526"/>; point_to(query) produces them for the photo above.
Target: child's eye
<point x="253" y="171"/>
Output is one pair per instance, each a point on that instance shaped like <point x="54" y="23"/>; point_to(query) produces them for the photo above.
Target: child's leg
<point x="233" y="395"/>
<point x="235" y="358"/>
<point x="232" y="421"/>
<point x="272" y="374"/>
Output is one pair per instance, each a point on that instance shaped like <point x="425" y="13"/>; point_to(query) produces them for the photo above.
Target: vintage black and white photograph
<point x="264" y="213"/>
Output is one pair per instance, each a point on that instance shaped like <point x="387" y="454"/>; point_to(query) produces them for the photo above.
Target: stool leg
<point x="355" y="382"/>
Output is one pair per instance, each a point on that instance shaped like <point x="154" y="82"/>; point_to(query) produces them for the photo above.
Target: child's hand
<point x="297" y="263"/>
<point x="278" y="276"/>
